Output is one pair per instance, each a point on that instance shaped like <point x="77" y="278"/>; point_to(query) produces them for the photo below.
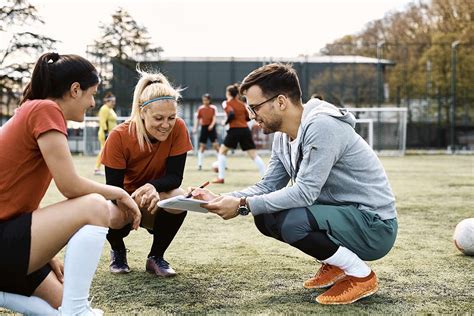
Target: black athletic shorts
<point x="15" y="243"/>
<point x="207" y="134"/>
<point x="241" y="136"/>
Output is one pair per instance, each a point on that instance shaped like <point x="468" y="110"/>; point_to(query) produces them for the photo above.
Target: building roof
<point x="343" y="59"/>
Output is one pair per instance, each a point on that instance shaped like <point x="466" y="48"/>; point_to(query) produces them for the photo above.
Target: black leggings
<point x="165" y="228"/>
<point x="298" y="228"/>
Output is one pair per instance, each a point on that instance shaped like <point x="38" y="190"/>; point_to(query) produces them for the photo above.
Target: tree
<point x="124" y="39"/>
<point x="23" y="47"/>
<point x="122" y="43"/>
<point x="418" y="39"/>
<point x="454" y="22"/>
<point x="346" y="84"/>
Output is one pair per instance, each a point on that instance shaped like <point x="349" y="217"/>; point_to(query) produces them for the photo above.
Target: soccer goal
<point x="83" y="136"/>
<point x="384" y="129"/>
<point x="365" y="128"/>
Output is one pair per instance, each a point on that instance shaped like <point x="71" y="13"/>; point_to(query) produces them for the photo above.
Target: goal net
<point x="384" y="129"/>
<point x="83" y="137"/>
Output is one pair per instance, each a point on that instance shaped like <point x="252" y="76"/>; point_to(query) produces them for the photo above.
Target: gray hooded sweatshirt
<point x="334" y="166"/>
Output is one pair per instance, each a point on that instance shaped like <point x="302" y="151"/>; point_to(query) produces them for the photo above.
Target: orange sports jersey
<point x="121" y="151"/>
<point x="205" y="114"/>
<point x="24" y="175"/>
<point x="240" y="112"/>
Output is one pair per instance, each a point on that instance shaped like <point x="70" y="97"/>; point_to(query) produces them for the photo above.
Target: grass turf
<point x="229" y="267"/>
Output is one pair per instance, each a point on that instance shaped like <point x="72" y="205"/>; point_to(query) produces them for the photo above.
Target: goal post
<point x="385" y="128"/>
<point x="365" y="128"/>
<point x="83" y="137"/>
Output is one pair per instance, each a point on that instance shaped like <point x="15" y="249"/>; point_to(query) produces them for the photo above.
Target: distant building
<point x="200" y="75"/>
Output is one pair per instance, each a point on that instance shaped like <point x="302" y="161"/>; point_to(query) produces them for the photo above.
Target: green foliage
<point x="343" y="84"/>
<point x="418" y="39"/>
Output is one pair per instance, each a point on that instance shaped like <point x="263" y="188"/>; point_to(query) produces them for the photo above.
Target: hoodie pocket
<point x="311" y="152"/>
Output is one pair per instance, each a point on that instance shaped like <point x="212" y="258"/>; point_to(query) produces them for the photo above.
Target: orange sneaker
<point x="326" y="276"/>
<point x="218" y="181"/>
<point x="349" y="289"/>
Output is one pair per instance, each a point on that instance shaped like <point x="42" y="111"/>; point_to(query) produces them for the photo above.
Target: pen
<point x="202" y="186"/>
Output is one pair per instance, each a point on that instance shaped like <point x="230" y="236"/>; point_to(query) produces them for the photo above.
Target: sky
<point x="225" y="28"/>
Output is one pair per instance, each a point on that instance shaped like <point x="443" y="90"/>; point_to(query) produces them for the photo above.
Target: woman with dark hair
<point x="35" y="151"/>
<point x="238" y="133"/>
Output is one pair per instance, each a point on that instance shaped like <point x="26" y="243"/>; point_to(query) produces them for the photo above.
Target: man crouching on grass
<point x="339" y="207"/>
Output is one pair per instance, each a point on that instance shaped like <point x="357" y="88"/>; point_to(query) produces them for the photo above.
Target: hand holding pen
<point x="202" y="186"/>
<point x="200" y="193"/>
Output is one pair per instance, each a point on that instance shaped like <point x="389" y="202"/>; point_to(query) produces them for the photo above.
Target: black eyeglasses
<point x="253" y="108"/>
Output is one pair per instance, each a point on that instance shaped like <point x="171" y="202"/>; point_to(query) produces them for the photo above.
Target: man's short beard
<point x="274" y="126"/>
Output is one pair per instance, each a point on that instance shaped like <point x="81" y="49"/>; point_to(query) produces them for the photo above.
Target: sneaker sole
<point x="368" y="293"/>
<point x="161" y="275"/>
<point x="120" y="272"/>
<point x="324" y="285"/>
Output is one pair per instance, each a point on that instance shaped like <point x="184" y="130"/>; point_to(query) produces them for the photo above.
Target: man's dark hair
<point x="274" y="79"/>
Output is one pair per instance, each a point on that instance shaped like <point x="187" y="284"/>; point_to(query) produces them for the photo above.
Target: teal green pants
<point x="361" y="231"/>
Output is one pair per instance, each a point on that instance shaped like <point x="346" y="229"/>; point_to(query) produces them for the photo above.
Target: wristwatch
<point x="243" y="208"/>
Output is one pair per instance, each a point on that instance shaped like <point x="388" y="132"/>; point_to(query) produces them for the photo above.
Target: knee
<point x="260" y="224"/>
<point x="96" y="202"/>
<point x="294" y="227"/>
<point x="96" y="208"/>
<point x="170" y="194"/>
<point x="176" y="192"/>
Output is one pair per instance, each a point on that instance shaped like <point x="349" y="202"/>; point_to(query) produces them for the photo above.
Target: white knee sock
<point x="260" y="165"/>
<point x="200" y="158"/>
<point x="349" y="262"/>
<point x="82" y="257"/>
<point x="222" y="162"/>
<point x="27" y="305"/>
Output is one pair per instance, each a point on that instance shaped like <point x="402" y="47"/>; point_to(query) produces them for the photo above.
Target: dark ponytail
<point x="233" y="90"/>
<point x="54" y="74"/>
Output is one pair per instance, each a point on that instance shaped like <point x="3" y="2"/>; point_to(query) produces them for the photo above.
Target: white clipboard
<point x="180" y="202"/>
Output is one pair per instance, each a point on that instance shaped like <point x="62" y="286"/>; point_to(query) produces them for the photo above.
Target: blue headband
<point x="157" y="99"/>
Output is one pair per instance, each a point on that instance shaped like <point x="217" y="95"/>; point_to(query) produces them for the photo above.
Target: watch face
<point x="243" y="210"/>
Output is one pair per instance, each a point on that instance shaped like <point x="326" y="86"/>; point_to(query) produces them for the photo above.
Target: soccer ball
<point x="464" y="236"/>
<point x="215" y="166"/>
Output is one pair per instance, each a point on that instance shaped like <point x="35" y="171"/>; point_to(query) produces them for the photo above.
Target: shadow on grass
<point x="214" y="288"/>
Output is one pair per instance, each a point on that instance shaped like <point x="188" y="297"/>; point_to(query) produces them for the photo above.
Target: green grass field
<point x="229" y="267"/>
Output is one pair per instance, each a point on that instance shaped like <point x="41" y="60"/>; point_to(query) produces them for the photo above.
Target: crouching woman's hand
<point x="126" y="211"/>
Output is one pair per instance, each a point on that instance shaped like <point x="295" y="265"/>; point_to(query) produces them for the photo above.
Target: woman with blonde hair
<point x="107" y="122"/>
<point x="34" y="150"/>
<point x="146" y="156"/>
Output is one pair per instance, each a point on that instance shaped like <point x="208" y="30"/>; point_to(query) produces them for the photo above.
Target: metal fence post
<point x="454" y="45"/>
